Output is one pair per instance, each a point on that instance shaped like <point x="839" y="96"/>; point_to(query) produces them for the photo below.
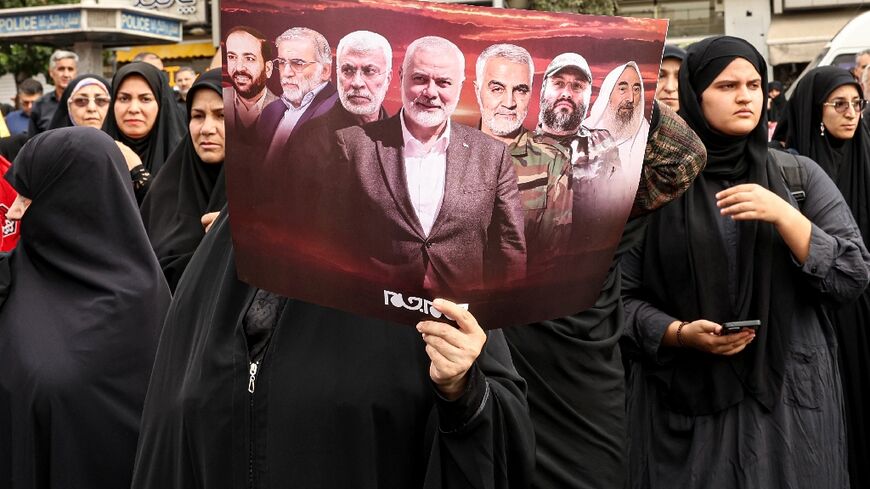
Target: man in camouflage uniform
<point x="503" y="87"/>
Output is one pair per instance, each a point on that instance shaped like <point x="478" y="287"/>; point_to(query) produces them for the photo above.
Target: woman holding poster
<point x="756" y="404"/>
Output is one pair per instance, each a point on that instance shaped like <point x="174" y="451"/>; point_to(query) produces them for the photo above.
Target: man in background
<point x="62" y="68"/>
<point x="29" y="91"/>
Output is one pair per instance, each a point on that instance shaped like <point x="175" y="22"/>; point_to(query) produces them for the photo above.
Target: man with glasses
<point x="309" y="160"/>
<point x="304" y="64"/>
<point x="249" y="65"/>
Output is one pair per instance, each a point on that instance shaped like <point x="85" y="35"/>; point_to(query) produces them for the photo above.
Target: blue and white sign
<point x="150" y="25"/>
<point x="44" y="22"/>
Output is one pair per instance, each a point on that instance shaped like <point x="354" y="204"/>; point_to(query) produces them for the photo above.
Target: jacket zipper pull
<point x="253" y="378"/>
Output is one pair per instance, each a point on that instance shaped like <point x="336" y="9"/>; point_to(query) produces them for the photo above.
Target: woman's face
<point x="841" y="125"/>
<point x="207" y="125"/>
<point x="135" y="107"/>
<point x="732" y="103"/>
<point x="88" y="106"/>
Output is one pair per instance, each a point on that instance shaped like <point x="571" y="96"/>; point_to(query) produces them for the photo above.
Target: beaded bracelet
<point x="680" y="333"/>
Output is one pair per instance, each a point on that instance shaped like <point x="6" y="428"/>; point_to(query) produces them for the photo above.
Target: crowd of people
<point x="726" y="348"/>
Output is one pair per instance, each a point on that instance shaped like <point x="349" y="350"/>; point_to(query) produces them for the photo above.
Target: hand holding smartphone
<point x="733" y="327"/>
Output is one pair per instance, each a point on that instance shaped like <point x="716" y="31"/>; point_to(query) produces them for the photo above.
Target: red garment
<point x="10" y="229"/>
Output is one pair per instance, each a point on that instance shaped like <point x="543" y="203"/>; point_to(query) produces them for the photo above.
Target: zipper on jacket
<point x="252" y="381"/>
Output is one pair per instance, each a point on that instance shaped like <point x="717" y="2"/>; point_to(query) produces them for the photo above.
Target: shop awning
<point x="169" y="51"/>
<point x="799" y="37"/>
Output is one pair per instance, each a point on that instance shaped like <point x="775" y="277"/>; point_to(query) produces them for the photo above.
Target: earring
<point x="822" y="129"/>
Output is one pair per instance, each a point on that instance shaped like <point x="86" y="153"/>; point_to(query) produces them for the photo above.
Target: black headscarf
<point x="846" y="162"/>
<point x="184" y="190"/>
<point x="777" y="104"/>
<point x="61" y="116"/>
<point x="673" y="51"/>
<point x="169" y="128"/>
<point x="80" y="326"/>
<point x="686" y="263"/>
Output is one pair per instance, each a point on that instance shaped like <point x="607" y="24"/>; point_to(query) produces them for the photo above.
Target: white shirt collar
<point x="306" y="99"/>
<point x="413" y="146"/>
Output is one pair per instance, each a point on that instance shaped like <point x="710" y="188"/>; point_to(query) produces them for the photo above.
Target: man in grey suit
<point x="435" y="203"/>
<point x="249" y="65"/>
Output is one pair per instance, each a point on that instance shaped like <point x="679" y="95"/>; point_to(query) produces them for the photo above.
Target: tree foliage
<point x="25" y="60"/>
<point x="597" y="7"/>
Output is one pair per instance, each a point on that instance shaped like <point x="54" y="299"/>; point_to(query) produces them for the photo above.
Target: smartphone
<point x="738" y="326"/>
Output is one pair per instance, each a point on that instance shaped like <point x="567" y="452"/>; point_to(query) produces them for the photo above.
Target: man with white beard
<point x="364" y="62"/>
<point x="435" y="203"/>
<point x="304" y="64"/>
<point x="619" y="110"/>
<point x="504" y="89"/>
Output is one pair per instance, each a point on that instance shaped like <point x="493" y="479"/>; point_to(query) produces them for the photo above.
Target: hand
<point x="704" y="335"/>
<point x="452" y="350"/>
<point x="130" y="156"/>
<point x="752" y="202"/>
<point x="208" y="219"/>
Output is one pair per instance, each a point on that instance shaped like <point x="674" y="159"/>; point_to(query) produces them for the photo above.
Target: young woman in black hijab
<point x="79" y="328"/>
<point x="253" y="390"/>
<point x="754" y="409"/>
<point x="826" y="125"/>
<point x="191" y="183"/>
<point x="144" y="117"/>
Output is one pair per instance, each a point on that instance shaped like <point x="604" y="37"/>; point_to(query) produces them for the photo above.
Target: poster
<point x="381" y="154"/>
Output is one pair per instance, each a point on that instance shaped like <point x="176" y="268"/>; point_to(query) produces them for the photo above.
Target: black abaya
<point x="847" y="162"/>
<point x="184" y="190"/>
<point x="337" y="400"/>
<point x="78" y="332"/>
<point x="770" y="415"/>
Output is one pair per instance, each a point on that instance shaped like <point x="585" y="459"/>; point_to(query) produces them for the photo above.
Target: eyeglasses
<point x="841" y="106"/>
<point x="297" y="65"/>
<point x="82" y="102"/>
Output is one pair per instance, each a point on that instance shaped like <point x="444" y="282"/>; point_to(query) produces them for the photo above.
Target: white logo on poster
<point x="9" y="227"/>
<point x="425" y="306"/>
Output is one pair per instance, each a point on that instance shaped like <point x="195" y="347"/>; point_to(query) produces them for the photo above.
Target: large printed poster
<point x="382" y="154"/>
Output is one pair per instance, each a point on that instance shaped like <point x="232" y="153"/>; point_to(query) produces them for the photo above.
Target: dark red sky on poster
<point x="605" y="42"/>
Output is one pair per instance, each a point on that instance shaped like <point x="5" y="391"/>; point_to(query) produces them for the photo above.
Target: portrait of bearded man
<point x="619" y="110"/>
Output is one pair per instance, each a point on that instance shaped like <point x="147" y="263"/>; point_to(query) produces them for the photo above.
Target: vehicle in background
<point x="853" y="38"/>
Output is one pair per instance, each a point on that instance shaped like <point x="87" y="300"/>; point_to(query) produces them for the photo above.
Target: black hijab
<point x="777" y="104"/>
<point x="686" y="270"/>
<point x="184" y="190"/>
<point x="61" y="116"/>
<point x="169" y="128"/>
<point x="87" y="296"/>
<point x="846" y="162"/>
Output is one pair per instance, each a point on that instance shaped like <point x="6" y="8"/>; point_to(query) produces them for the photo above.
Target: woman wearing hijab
<point x="758" y="408"/>
<point x="191" y="183"/>
<point x="79" y="328"/>
<point x="85" y="102"/>
<point x="144" y="117"/>
<point x="825" y="125"/>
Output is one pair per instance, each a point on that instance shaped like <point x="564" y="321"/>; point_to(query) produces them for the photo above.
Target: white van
<point x="853" y="38"/>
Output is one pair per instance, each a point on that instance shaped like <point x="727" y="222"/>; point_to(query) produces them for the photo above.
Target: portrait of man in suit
<point x="304" y="64"/>
<point x="443" y="216"/>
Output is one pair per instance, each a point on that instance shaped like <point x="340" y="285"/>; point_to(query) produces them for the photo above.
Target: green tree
<point x="597" y="7"/>
<point x="25" y="60"/>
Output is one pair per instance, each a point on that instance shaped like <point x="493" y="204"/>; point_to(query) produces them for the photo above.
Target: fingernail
<point x="420" y="327"/>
